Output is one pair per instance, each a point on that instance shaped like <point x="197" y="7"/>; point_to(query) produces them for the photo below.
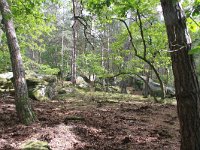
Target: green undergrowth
<point x="80" y="95"/>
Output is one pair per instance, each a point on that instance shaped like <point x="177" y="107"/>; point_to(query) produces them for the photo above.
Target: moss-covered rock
<point x="40" y="93"/>
<point x="5" y="82"/>
<point x="35" y="145"/>
<point x="49" y="78"/>
<point x="40" y="87"/>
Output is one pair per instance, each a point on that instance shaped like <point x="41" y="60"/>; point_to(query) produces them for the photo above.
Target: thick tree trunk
<point x="186" y="83"/>
<point x="23" y="105"/>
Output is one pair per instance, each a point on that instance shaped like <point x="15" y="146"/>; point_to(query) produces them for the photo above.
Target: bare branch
<point x="195" y="21"/>
<point x="85" y="25"/>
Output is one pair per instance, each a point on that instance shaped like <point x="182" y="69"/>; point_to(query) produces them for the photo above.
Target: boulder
<point x="5" y="82"/>
<point x="155" y="87"/>
<point x="7" y="75"/>
<point x="40" y="93"/>
<point x="66" y="90"/>
<point x="41" y="87"/>
<point x="170" y="91"/>
<point x="80" y="82"/>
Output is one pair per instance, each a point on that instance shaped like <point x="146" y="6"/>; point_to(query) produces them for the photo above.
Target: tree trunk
<point x="186" y="83"/>
<point x="103" y="65"/>
<point x="22" y="102"/>
<point x="73" y="60"/>
<point x="62" y="48"/>
<point x="123" y="86"/>
<point x="146" y="84"/>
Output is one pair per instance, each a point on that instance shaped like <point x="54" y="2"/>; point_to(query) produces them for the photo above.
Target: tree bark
<point x="22" y="102"/>
<point x="186" y="83"/>
<point x="74" y="50"/>
<point x="146" y="84"/>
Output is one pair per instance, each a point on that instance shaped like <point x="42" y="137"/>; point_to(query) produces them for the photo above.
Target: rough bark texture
<point x="23" y="105"/>
<point x="186" y="83"/>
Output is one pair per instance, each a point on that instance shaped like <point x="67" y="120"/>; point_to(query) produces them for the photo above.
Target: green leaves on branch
<point x="195" y="50"/>
<point x="196" y="8"/>
<point x="31" y="23"/>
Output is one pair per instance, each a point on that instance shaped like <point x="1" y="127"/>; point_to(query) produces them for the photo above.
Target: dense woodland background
<point x="48" y="33"/>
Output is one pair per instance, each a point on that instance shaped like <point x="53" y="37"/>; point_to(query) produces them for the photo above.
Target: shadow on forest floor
<point x="76" y="124"/>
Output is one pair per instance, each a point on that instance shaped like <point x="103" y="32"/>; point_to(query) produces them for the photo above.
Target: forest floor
<point x="89" y="123"/>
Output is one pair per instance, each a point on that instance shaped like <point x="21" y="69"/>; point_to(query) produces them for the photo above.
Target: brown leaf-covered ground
<point x="76" y="124"/>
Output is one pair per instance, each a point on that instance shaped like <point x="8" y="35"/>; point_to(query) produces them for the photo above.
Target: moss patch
<point x="35" y="145"/>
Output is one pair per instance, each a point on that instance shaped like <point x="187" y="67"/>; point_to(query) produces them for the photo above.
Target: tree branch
<point x="195" y="21"/>
<point x="85" y="25"/>
<point x="142" y="33"/>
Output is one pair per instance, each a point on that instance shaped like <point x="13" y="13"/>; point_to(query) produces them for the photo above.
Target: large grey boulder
<point x="155" y="87"/>
<point x="80" y="82"/>
<point x="170" y="91"/>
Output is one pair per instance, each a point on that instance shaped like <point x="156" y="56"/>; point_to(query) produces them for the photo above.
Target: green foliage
<point x="4" y="61"/>
<point x="32" y="24"/>
<point x="46" y="69"/>
<point x="8" y="16"/>
<point x="196" y="8"/>
<point x="91" y="63"/>
<point x="195" y="50"/>
<point x="122" y="57"/>
<point x="193" y="25"/>
<point x="40" y="68"/>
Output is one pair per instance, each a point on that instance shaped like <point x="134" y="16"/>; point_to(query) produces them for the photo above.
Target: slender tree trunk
<point x="62" y="48"/>
<point x="108" y="50"/>
<point x="146" y="84"/>
<point x="186" y="83"/>
<point x="22" y="102"/>
<point x="123" y="86"/>
<point x="73" y="61"/>
<point x="62" y="57"/>
<point x="103" y="64"/>
<point x="123" y="83"/>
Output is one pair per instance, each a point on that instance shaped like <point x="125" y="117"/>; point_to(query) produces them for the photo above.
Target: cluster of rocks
<point x="40" y="87"/>
<point x="46" y="87"/>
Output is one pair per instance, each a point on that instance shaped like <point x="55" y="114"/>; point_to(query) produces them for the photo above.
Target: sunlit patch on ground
<point x="59" y="137"/>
